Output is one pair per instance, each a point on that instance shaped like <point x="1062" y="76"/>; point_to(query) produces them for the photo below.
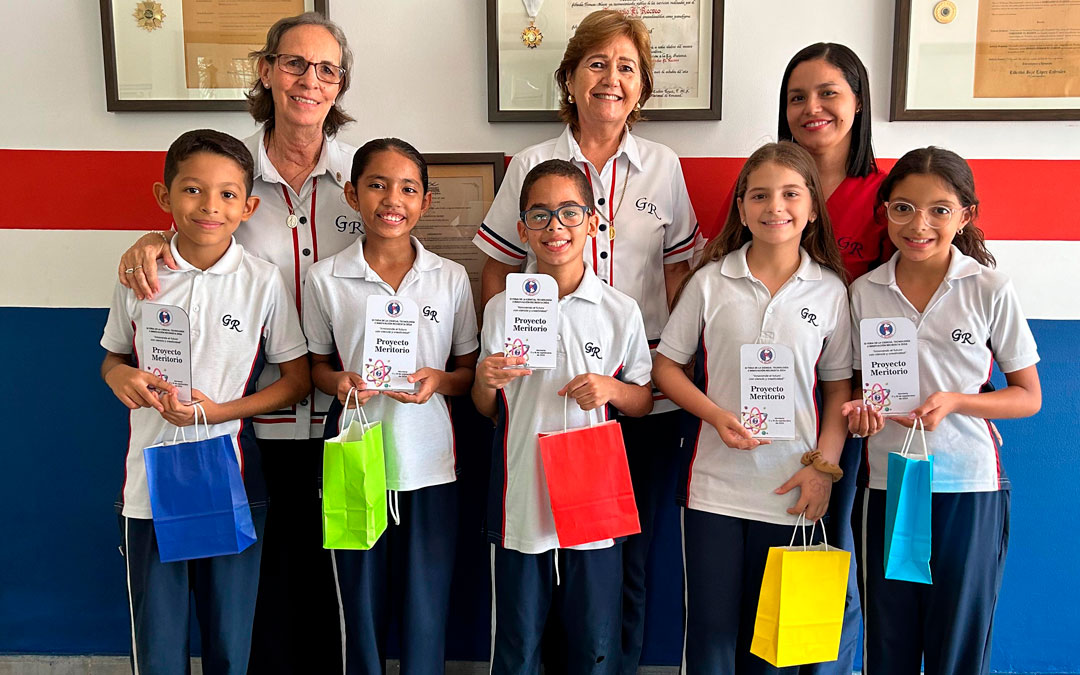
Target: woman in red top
<point x="825" y="107"/>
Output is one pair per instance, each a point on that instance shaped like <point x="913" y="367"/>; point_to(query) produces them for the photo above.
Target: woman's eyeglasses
<point x="298" y="65"/>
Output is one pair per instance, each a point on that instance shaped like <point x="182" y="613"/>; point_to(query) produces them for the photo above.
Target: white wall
<point x="420" y="74"/>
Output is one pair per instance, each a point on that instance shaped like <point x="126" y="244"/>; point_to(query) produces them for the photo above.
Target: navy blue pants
<point x="838" y="522"/>
<point x="159" y="595"/>
<point x="415" y="558"/>
<point x="652" y="448"/>
<point x="944" y="628"/>
<point x="296" y="627"/>
<point x="587" y="600"/>
<point x="724" y="559"/>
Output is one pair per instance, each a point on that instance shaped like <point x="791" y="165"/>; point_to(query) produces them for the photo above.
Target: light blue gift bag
<point x="907" y="512"/>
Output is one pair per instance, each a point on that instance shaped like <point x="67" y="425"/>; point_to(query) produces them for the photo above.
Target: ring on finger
<point x="137" y="267"/>
<point x="856" y="435"/>
<point x="130" y="270"/>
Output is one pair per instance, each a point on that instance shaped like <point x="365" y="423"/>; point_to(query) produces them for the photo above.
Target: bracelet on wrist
<point x="815" y="459"/>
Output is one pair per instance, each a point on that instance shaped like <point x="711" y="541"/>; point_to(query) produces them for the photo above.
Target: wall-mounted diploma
<point x="768" y="390"/>
<point x="390" y="343"/>
<point x="532" y="319"/>
<point x="890" y="364"/>
<point x="166" y="346"/>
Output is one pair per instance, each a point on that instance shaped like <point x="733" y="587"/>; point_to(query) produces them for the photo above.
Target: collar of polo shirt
<point x="228" y="263"/>
<point x="332" y="160"/>
<point x="960" y="266"/>
<point x="567" y="146"/>
<point x="350" y="263"/>
<point x="735" y="267"/>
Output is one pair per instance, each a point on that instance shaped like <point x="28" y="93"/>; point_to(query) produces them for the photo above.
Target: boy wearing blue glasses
<point x="603" y="363"/>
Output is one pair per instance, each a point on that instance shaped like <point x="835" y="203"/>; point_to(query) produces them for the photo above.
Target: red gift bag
<point x="588" y="481"/>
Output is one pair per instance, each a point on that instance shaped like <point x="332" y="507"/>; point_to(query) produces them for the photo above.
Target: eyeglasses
<point x="298" y="65"/>
<point x="570" y="215"/>
<point x="936" y="216"/>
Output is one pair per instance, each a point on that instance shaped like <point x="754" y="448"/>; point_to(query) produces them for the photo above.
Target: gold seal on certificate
<point x="148" y="15"/>
<point x="531" y="37"/>
<point x="945" y="11"/>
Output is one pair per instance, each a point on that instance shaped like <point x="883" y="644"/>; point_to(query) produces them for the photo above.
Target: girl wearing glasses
<point x="967" y="316"/>
<point x="300" y="173"/>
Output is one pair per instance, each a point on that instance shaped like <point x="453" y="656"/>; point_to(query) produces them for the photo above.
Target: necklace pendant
<point x="292" y="221"/>
<point x="531" y="37"/>
<point x="611" y="231"/>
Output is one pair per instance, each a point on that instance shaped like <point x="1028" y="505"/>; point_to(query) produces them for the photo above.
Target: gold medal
<point x="945" y="11"/>
<point x="292" y="221"/>
<point x="531" y="37"/>
<point x="148" y="15"/>
<point x="611" y="232"/>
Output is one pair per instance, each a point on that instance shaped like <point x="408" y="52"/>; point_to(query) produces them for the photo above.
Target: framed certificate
<point x="462" y="185"/>
<point x="986" y="60"/>
<point x="527" y="38"/>
<point x="186" y="54"/>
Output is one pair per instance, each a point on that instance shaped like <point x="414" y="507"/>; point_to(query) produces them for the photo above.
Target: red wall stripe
<point x="110" y="190"/>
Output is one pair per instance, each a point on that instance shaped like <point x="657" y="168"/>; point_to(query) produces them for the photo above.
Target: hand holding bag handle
<point x="905" y="450"/>
<point x="206" y="425"/>
<point x="391" y="495"/>
<point x="592" y="414"/>
<point x="802" y="522"/>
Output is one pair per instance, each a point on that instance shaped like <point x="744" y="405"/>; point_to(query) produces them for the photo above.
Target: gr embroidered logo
<point x="431" y="314"/>
<point x="645" y="206"/>
<point x="962" y="336"/>
<point x="343" y="224"/>
<point x="809" y="316"/>
<point x="232" y="324"/>
<point x="850" y="247"/>
<point x="592" y="350"/>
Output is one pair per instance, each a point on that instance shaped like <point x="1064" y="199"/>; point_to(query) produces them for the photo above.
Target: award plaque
<point x="986" y="60"/>
<point x="186" y="54"/>
<point x="687" y="47"/>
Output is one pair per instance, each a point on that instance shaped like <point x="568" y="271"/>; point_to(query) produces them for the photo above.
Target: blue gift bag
<point x="907" y="513"/>
<point x="197" y="497"/>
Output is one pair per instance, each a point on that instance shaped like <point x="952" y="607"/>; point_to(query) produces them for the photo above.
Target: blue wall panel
<point x="61" y="576"/>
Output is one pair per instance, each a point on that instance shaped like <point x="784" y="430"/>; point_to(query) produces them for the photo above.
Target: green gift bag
<point x="354" y="483"/>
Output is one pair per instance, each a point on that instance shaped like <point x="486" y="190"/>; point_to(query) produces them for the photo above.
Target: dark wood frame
<point x="113" y="102"/>
<point x="669" y="114"/>
<point x="898" y="110"/>
<point x="497" y="160"/>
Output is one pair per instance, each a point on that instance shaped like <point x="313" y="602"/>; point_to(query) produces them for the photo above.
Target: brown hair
<point x="952" y="170"/>
<point x="817" y="237"/>
<point x="213" y="142"/>
<point x="261" y="99"/>
<point x="598" y="28"/>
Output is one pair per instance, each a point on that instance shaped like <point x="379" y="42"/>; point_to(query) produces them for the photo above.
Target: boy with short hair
<point x="241" y="316"/>
<point x="603" y="359"/>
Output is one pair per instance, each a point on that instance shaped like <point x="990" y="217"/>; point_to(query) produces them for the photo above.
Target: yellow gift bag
<point x="801" y="607"/>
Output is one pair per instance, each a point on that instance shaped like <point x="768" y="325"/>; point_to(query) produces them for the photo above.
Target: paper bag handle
<point x="905" y="451"/>
<point x="206" y="425"/>
<point x="593" y="415"/>
<point x="355" y="393"/>
<point x="801" y="523"/>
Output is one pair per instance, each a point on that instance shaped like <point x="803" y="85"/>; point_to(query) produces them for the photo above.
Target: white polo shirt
<point x="417" y="438"/>
<point x="241" y="317"/>
<point x="326" y="225"/>
<point x="655" y="224"/>
<point x="722" y="308"/>
<point x="973" y="319"/>
<point x="600" y="331"/>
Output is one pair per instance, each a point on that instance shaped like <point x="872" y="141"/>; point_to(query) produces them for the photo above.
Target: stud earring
<point x="570" y="98"/>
